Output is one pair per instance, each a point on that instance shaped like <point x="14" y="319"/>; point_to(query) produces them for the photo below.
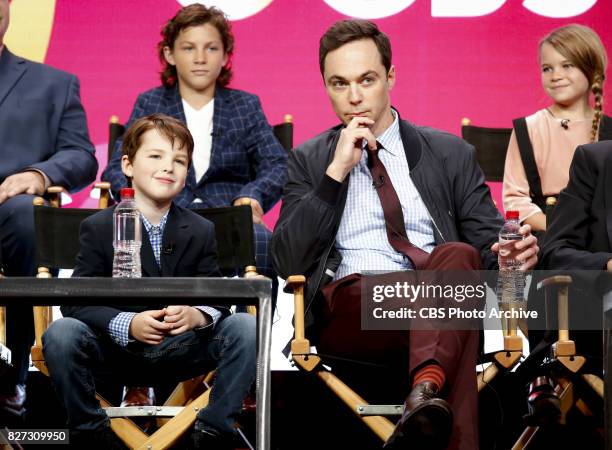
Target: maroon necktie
<point x="392" y="209"/>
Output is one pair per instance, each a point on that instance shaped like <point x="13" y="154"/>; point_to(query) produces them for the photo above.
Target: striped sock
<point x="432" y="373"/>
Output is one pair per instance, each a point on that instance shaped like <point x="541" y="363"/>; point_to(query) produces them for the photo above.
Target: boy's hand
<point x="146" y="327"/>
<point x="183" y="318"/>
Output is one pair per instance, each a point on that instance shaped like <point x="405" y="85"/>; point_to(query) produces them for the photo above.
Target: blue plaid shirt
<point x="246" y="158"/>
<point x="119" y="326"/>
<point x="362" y="237"/>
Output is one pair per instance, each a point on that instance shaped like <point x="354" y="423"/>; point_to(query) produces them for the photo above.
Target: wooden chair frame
<point x="563" y="352"/>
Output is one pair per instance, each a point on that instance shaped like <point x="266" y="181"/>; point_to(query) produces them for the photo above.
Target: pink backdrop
<point x="484" y="68"/>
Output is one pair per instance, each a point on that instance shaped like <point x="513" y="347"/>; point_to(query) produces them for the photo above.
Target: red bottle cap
<point x="512" y="215"/>
<point x="126" y="193"/>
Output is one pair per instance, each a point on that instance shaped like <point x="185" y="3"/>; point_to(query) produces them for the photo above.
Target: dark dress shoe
<point x="426" y="423"/>
<point x="544" y="404"/>
<point x="138" y="396"/>
<point x="12" y="402"/>
<point x="103" y="439"/>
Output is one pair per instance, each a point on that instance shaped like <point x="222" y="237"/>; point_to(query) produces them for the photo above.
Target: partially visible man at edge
<point x="43" y="141"/>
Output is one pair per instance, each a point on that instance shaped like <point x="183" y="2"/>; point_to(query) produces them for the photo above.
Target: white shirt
<point x="200" y="124"/>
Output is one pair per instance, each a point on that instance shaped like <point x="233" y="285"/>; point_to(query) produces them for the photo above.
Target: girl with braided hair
<point x="573" y="63"/>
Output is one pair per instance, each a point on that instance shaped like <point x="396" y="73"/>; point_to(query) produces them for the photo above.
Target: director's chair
<point x="57" y="233"/>
<point x="374" y="416"/>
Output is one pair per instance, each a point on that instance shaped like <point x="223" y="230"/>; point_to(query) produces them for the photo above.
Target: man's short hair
<point x="193" y="16"/>
<point x="350" y="30"/>
<point x="169" y="127"/>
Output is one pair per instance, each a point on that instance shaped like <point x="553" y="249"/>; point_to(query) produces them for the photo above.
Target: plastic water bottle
<point x="511" y="280"/>
<point x="127" y="237"/>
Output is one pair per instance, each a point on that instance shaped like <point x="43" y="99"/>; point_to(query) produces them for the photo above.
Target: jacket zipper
<point x="428" y="211"/>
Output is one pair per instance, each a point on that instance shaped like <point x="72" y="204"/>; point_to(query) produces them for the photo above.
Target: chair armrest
<point x="296" y="283"/>
<point x="561" y="282"/>
<point x="104" y="200"/>
<point x="54" y="194"/>
<point x="300" y="346"/>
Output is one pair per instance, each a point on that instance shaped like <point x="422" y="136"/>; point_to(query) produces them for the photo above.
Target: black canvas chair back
<point x="491" y="146"/>
<point x="115" y="131"/>
<point x="284" y="132"/>
<point x="57" y="235"/>
<point x="235" y="239"/>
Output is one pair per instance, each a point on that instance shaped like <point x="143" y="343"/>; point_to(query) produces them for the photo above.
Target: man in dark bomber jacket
<point x="331" y="227"/>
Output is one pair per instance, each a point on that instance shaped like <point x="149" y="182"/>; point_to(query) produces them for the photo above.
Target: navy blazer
<point x="246" y="158"/>
<point x="194" y="254"/>
<point x="43" y="124"/>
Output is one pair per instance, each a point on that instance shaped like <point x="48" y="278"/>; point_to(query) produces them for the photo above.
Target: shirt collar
<point x="390" y="135"/>
<point x="162" y="223"/>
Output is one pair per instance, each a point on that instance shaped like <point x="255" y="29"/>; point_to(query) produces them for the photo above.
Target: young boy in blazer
<point x="145" y="344"/>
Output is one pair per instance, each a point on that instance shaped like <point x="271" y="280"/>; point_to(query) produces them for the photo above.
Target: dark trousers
<point x="77" y="356"/>
<point x="455" y="351"/>
<point x="18" y="260"/>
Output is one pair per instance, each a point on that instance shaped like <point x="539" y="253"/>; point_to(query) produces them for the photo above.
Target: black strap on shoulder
<point x="605" y="128"/>
<point x="529" y="163"/>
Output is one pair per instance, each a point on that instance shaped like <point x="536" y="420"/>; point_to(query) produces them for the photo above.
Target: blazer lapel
<point x="12" y="69"/>
<point x="176" y="239"/>
<point x="173" y="104"/>
<point x="147" y="257"/>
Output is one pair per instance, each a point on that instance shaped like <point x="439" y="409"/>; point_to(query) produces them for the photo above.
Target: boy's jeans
<point x="75" y="354"/>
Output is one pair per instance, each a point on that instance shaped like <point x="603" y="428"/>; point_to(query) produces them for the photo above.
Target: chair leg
<point x="42" y="319"/>
<point x="184" y="394"/>
<point x="525" y="438"/>
<point x="486" y="376"/>
<point x="124" y="428"/>
<point x="595" y="382"/>
<point x="381" y="426"/>
<point x="6" y="446"/>
<point x="170" y="433"/>
<point x="3" y="325"/>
